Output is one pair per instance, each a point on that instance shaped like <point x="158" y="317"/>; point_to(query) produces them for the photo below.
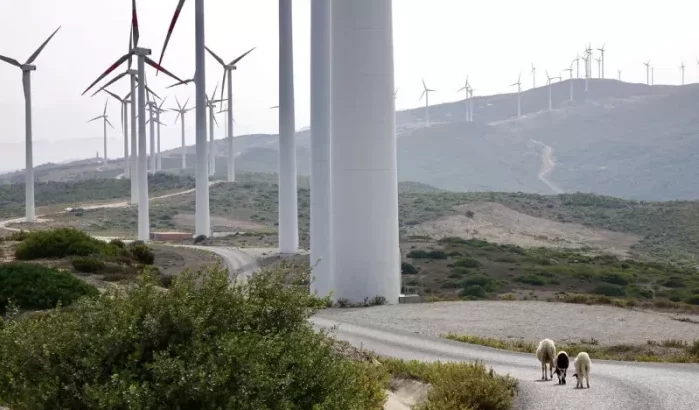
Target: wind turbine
<point x="125" y="128"/>
<point x="647" y="64"/>
<point x="533" y="73"/>
<point x="211" y="104"/>
<point x="470" y="99"/>
<point x="202" y="216"/>
<point x="228" y="72"/>
<point x="466" y="88"/>
<point x="599" y="67"/>
<point x="519" y="90"/>
<point x="27" y="68"/>
<point x="587" y="58"/>
<point x="549" y="81"/>
<point x="601" y="50"/>
<point x="143" y="59"/>
<point x="576" y="60"/>
<point x="105" y="121"/>
<point x="159" y="158"/>
<point x="426" y="93"/>
<point x="682" y="69"/>
<point x="570" y="70"/>
<point x="181" y="110"/>
<point x="619" y="72"/>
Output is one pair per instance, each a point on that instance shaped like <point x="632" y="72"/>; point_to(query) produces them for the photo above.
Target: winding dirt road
<point x="547" y="166"/>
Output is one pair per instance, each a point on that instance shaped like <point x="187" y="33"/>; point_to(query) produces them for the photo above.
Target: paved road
<point x="613" y="385"/>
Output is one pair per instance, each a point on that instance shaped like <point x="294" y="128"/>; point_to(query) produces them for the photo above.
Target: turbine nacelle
<point x="28" y="67"/>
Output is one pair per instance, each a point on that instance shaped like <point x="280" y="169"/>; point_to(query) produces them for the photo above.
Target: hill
<point x="618" y="139"/>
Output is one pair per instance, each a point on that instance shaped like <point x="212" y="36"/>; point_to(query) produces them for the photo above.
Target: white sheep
<point x="582" y="369"/>
<point x="546" y="353"/>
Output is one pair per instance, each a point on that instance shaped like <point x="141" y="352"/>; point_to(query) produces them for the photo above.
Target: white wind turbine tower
<point x="288" y="197"/>
<point x="181" y="110"/>
<point x="570" y="70"/>
<point x="601" y="70"/>
<point x="211" y="105"/>
<point x="228" y="73"/>
<point x="599" y="67"/>
<point x="143" y="59"/>
<point x="467" y="101"/>
<point x="320" y="145"/>
<point x="519" y="91"/>
<point x="682" y="69"/>
<point x="470" y="99"/>
<point x="619" y="73"/>
<point x="549" y="83"/>
<point x="426" y="93"/>
<point x="576" y="60"/>
<point x="533" y="73"/>
<point x="159" y="110"/>
<point x="27" y="68"/>
<point x="105" y="121"/>
<point x="647" y="64"/>
<point x="202" y="216"/>
<point x="125" y="128"/>
<point x="587" y="58"/>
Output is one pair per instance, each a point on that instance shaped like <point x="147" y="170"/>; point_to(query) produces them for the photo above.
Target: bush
<point x="408" y="268"/>
<point x="534" y="280"/>
<point x="488" y="283"/>
<point x="609" y="290"/>
<point x="59" y="243"/>
<point x="467" y="263"/>
<point x="31" y="286"/>
<point x="420" y="254"/>
<point x="474" y="292"/>
<point x="203" y="344"/>
<point x="118" y="243"/>
<point x="458" y="386"/>
<point x="87" y="264"/>
<point x="142" y="253"/>
<point x="615" y="279"/>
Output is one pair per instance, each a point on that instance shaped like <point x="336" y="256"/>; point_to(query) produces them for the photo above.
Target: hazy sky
<point x="440" y="40"/>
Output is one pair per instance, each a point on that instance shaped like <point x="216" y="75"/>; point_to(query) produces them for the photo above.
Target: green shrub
<point x="421" y="254"/>
<point x="467" y="263"/>
<point x="607" y="289"/>
<point x="458" y="386"/>
<point x="59" y="243"/>
<point x="118" y="243"/>
<point x="87" y="264"/>
<point x="488" y="283"/>
<point x="615" y="279"/>
<point x="474" y="292"/>
<point x="142" y="253"/>
<point x="534" y="280"/>
<point x="31" y="286"/>
<point x="202" y="345"/>
<point x="408" y="268"/>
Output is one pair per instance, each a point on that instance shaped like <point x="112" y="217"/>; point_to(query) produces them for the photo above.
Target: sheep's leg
<point x="587" y="379"/>
<point x="551" y="369"/>
<point x="543" y="370"/>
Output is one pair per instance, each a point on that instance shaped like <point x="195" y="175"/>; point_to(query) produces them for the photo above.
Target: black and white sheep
<point x="562" y="363"/>
<point x="582" y="369"/>
<point x="546" y="353"/>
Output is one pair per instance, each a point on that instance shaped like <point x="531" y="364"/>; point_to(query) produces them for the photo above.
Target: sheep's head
<point x="575" y="375"/>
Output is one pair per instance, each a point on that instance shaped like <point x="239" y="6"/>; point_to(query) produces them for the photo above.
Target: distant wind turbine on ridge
<point x="467" y="101"/>
<point x="27" y="68"/>
<point x="105" y="121"/>
<point x="570" y="70"/>
<point x="682" y="69"/>
<point x="125" y="128"/>
<point x="601" y="50"/>
<point x="619" y="73"/>
<point x="519" y="91"/>
<point x="647" y="64"/>
<point x="533" y="73"/>
<point x="426" y="93"/>
<point x="549" y="82"/>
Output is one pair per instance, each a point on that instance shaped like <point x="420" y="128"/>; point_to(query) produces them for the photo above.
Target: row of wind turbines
<point x="587" y="57"/>
<point x="362" y="130"/>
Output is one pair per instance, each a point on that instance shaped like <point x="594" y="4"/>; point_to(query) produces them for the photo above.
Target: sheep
<point x="582" y="369"/>
<point x="546" y="353"/>
<point x="562" y="362"/>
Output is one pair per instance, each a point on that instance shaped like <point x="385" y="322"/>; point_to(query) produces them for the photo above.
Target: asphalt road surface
<point x="613" y="385"/>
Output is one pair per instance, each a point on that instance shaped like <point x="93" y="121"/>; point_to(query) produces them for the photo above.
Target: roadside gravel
<point x="526" y="320"/>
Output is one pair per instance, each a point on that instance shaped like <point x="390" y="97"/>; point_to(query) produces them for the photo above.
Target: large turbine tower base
<point x="364" y="215"/>
<point x="30" y="214"/>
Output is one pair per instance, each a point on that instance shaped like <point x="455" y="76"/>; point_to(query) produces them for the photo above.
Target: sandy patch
<point x="219" y="223"/>
<point x="497" y="223"/>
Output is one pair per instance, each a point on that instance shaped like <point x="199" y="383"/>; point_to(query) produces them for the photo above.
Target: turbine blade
<point x="178" y="9"/>
<point x="10" y="61"/>
<point x="41" y="47"/>
<point x="422" y="95"/>
<point x="130" y="47"/>
<point x="185" y="104"/>
<point x="109" y="70"/>
<point x="234" y="62"/>
<point x="110" y="124"/>
<point x="215" y="120"/>
<point x="114" y="95"/>
<point x="423" y="84"/>
<point x="163" y="102"/>
<point x="96" y="118"/>
<point x="110" y="82"/>
<point x="134" y="24"/>
<point x="151" y="92"/>
<point x="180" y="83"/>
<point x="213" y="95"/>
<point x="105" y="107"/>
<point x="178" y="103"/>
<point x="177" y="117"/>
<point x="219" y="59"/>
<point x="160" y="68"/>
